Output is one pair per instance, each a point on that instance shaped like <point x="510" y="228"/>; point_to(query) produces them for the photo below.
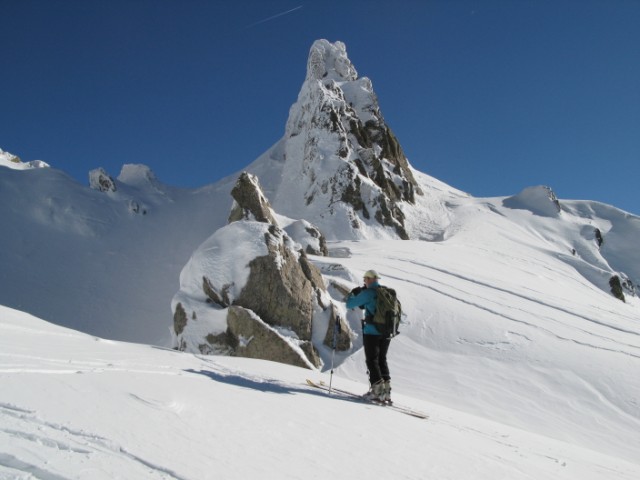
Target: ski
<point x="354" y="396"/>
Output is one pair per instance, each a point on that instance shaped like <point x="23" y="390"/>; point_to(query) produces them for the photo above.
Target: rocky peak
<point x="329" y="61"/>
<point x="342" y="166"/>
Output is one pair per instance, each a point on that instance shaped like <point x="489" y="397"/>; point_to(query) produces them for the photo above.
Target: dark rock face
<point x="341" y="332"/>
<point x="376" y="135"/>
<point x="598" y="236"/>
<point x="252" y="338"/>
<point x="277" y="288"/>
<point x="179" y="319"/>
<point x="219" y="298"/>
<point x="616" y="288"/>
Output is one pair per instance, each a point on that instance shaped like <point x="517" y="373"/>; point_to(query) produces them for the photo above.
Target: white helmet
<point x="371" y="274"/>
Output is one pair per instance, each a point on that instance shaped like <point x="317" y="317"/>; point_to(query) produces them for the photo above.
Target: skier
<point x="375" y="344"/>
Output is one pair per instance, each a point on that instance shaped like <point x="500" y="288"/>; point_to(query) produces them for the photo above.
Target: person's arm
<point x="358" y="297"/>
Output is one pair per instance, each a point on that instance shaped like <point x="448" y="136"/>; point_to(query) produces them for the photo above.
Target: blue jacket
<point x="367" y="299"/>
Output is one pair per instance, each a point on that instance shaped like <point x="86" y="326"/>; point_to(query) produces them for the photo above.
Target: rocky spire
<point x="342" y="166"/>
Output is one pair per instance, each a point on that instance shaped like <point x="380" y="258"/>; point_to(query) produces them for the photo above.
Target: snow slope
<point x="106" y="409"/>
<point x="85" y="259"/>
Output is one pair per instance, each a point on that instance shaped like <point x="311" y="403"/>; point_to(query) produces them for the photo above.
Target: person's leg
<point x="372" y="355"/>
<point x="383" y="348"/>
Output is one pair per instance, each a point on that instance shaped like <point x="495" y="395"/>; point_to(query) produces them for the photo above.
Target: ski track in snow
<point x="15" y="465"/>
<point x="28" y="428"/>
<point x="74" y="367"/>
<point x="520" y="310"/>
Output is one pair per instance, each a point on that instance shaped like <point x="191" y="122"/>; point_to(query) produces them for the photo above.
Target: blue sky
<point x="489" y="96"/>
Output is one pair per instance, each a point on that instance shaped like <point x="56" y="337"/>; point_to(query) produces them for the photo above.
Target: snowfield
<point x="76" y="406"/>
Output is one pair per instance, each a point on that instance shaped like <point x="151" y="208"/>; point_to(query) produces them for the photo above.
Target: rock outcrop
<point x="251" y="337"/>
<point x="250" y="289"/>
<point x="249" y="203"/>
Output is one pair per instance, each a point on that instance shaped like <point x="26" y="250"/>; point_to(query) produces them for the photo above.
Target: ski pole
<point x="336" y="331"/>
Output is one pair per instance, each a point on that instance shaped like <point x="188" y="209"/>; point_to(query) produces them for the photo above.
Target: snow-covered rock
<point x="266" y="276"/>
<point x="308" y="236"/>
<point x="137" y="174"/>
<point x="100" y="180"/>
<point x="264" y="291"/>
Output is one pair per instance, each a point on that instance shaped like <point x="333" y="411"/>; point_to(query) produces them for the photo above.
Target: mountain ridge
<point x="145" y="218"/>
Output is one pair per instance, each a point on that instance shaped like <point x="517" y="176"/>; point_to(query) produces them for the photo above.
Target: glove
<point x="356" y="291"/>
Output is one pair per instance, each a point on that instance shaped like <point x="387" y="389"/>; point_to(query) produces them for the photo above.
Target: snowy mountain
<point x="516" y="339"/>
<point x="104" y="262"/>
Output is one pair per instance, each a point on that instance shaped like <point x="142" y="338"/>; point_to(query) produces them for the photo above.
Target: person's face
<point x="369" y="280"/>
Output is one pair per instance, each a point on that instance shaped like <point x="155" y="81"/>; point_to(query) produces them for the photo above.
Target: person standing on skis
<point x="375" y="344"/>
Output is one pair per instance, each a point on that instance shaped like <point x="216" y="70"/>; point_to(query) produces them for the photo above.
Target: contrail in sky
<point x="274" y="16"/>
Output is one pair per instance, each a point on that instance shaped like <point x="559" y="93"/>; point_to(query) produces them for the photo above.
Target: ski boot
<point x="376" y="392"/>
<point x="385" y="397"/>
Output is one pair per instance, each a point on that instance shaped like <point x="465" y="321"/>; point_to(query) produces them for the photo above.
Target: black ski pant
<point x="375" y="352"/>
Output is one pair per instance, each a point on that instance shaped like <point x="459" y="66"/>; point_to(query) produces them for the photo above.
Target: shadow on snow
<point x="267" y="386"/>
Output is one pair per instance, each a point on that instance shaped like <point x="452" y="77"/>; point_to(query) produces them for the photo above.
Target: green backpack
<point x="388" y="312"/>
